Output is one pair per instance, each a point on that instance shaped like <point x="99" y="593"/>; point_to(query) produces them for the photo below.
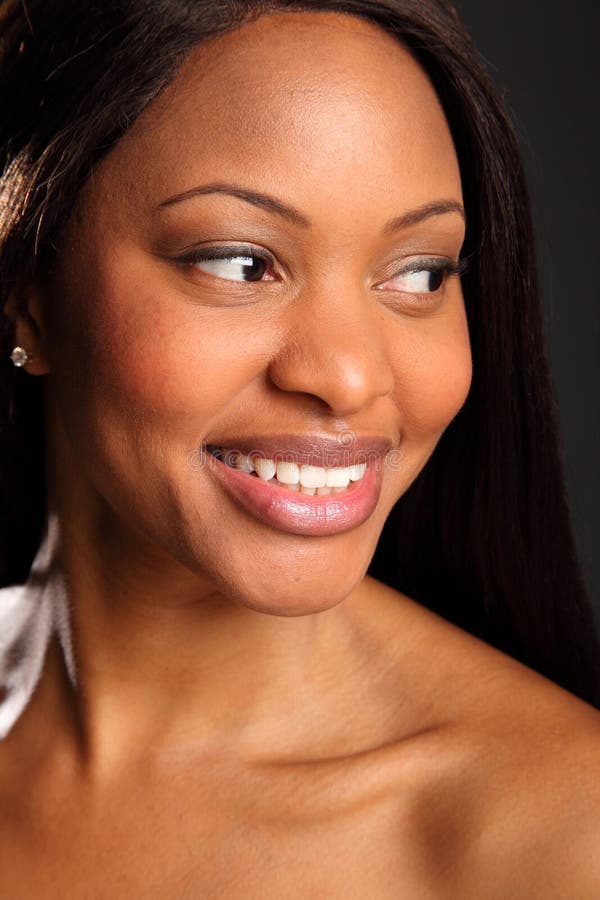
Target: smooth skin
<point x="255" y="717"/>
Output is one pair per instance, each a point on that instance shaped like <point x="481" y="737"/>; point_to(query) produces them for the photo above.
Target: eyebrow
<point x="421" y="213"/>
<point x="293" y="215"/>
<point x="256" y="198"/>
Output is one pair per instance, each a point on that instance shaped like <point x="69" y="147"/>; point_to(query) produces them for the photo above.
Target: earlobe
<point x="21" y="357"/>
<point x="25" y="309"/>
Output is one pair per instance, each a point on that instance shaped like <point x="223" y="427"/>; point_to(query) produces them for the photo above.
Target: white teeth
<point x="243" y="462"/>
<point x="357" y="472"/>
<point x="338" y="477"/>
<point x="304" y="478"/>
<point x="265" y="468"/>
<point x="288" y="473"/>
<point x="313" y="476"/>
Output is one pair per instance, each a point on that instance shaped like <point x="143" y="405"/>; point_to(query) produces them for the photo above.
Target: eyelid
<point x="226" y="251"/>
<point x="433" y="263"/>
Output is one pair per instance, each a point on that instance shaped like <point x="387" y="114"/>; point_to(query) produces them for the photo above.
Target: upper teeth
<point x="292" y="473"/>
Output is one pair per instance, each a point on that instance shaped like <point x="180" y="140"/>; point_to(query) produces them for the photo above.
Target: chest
<point x="294" y="835"/>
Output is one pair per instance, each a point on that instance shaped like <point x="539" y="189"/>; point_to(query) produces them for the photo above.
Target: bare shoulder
<point x="524" y="781"/>
<point x="537" y="790"/>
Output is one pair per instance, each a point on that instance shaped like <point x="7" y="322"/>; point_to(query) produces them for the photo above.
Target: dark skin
<point x="254" y="716"/>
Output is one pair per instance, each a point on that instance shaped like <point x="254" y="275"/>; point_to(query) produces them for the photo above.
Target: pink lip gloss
<point x="297" y="513"/>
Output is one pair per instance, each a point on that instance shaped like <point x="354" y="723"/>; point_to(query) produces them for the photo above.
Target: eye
<point x="422" y="281"/>
<point x="422" y="276"/>
<point x="231" y="263"/>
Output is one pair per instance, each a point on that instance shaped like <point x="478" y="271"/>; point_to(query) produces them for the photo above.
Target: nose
<point x="334" y="348"/>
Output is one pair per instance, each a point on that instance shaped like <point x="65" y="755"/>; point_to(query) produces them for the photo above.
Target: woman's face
<point x="331" y="320"/>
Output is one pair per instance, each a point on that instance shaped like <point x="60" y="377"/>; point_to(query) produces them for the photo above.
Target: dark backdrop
<point x="545" y="55"/>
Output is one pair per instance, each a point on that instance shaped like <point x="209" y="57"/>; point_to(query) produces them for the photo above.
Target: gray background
<point x="546" y="57"/>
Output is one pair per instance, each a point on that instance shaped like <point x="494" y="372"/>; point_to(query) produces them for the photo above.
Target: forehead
<point x="297" y="101"/>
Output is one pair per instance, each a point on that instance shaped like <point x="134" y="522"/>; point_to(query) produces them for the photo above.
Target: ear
<point x="25" y="308"/>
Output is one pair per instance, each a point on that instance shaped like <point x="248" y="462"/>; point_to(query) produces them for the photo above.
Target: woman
<point x="291" y="605"/>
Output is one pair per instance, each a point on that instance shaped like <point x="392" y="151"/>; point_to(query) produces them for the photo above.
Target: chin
<point x="293" y="607"/>
<point x="291" y="595"/>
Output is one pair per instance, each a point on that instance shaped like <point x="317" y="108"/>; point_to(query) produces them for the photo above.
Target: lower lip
<point x="299" y="513"/>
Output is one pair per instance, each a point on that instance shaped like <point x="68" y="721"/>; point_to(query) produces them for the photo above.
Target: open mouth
<point x="274" y="491"/>
<point x="300" y="478"/>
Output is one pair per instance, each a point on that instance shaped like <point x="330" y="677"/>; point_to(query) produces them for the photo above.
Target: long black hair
<point x="483" y="536"/>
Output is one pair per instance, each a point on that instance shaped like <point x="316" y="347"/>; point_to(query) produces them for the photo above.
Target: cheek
<point x="145" y="354"/>
<point x="434" y="376"/>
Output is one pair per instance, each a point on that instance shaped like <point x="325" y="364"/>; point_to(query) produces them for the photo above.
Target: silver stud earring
<point x="20" y="356"/>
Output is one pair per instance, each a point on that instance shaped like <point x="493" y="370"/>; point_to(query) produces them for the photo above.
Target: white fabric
<point x="29" y="614"/>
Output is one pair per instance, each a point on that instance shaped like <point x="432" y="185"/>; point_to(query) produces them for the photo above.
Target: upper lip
<point x="347" y="449"/>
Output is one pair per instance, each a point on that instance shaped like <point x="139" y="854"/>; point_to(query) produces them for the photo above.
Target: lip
<point x="315" y="450"/>
<point x="297" y="513"/>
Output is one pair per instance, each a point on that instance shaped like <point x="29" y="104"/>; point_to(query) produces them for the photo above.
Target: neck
<point x="166" y="662"/>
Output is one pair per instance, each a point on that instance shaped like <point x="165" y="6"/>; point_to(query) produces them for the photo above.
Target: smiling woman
<point x="290" y="604"/>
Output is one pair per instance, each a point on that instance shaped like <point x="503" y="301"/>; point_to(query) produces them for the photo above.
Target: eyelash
<point x="446" y="267"/>
<point x="223" y="253"/>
